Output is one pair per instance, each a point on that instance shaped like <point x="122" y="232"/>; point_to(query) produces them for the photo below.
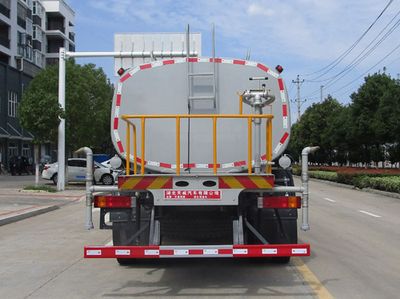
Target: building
<point x="31" y="33"/>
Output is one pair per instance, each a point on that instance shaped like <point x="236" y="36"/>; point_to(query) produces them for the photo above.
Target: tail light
<point x="112" y="201"/>
<point x="282" y="202"/>
<point x="46" y="167"/>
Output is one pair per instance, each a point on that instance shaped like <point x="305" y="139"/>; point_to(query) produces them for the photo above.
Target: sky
<point x="306" y="37"/>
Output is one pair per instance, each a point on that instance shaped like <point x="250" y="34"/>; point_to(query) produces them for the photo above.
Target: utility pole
<point x="322" y="93"/>
<point x="298" y="100"/>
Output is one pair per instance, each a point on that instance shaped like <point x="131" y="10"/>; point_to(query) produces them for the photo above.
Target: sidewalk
<point x="17" y="204"/>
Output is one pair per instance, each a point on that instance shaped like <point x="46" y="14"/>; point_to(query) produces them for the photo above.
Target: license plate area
<point x="191" y="195"/>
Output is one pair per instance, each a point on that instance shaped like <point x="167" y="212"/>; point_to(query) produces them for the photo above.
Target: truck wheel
<point x="122" y="236"/>
<point x="55" y="179"/>
<point x="279" y="226"/>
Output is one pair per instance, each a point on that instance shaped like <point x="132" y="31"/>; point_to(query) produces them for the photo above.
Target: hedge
<point x="388" y="183"/>
<point x="385" y="182"/>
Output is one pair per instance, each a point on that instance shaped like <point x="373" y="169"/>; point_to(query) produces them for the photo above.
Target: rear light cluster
<point x="282" y="202"/>
<point x="112" y="201"/>
<point x="46" y="167"/>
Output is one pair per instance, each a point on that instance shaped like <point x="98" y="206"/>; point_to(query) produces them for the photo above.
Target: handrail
<point x="178" y="117"/>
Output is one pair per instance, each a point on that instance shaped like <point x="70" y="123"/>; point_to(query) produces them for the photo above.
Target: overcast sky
<point x="303" y="36"/>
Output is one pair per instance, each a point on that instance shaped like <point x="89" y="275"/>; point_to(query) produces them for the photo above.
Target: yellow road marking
<point x="309" y="277"/>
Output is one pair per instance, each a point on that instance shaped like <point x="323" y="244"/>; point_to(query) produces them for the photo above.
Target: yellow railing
<point x="178" y="117"/>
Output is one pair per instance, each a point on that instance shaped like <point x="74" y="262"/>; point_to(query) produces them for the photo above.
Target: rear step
<point x="235" y="251"/>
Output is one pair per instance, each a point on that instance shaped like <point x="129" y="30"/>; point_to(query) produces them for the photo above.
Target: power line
<point x="357" y="60"/>
<point x="333" y="64"/>
<point x="386" y="56"/>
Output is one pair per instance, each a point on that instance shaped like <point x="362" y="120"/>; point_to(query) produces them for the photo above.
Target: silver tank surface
<point x="176" y="86"/>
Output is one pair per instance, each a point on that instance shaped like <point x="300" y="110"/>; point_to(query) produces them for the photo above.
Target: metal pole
<point x="144" y="54"/>
<point x="89" y="183"/>
<point x="61" y="126"/>
<point x="304" y="181"/>
<point x="298" y="100"/>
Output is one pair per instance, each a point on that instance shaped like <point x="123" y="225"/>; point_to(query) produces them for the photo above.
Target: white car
<point x="77" y="172"/>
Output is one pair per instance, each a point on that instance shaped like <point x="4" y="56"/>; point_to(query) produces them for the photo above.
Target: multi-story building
<point x="31" y="33"/>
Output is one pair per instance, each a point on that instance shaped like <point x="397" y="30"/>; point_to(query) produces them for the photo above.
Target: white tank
<point x="200" y="86"/>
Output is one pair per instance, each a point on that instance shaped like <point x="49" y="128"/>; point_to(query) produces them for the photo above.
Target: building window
<point x="22" y="13"/>
<point x="12" y="103"/>
<point x="26" y="150"/>
<point x="5" y="7"/>
<point x="12" y="149"/>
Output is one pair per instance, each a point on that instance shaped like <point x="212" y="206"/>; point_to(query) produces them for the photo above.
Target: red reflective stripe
<point x="166" y="252"/>
<point x="284" y="137"/>
<point x="144" y="183"/>
<point x="281" y="85"/>
<point x="239" y="163"/>
<point x="115" y="123"/>
<point x="191" y="165"/>
<point x="118" y="103"/>
<point x="284" y="110"/>
<point x="212" y="165"/>
<point x="262" y="67"/>
<point x="168" y="62"/>
<point x="196" y="251"/>
<point x="120" y="147"/>
<point x="217" y="60"/>
<point x="192" y="59"/>
<point x="168" y="184"/>
<point x="241" y="62"/>
<point x="222" y="184"/>
<point x="165" y="165"/>
<point x="145" y="66"/>
<point x="246" y="182"/>
<point x="125" y="77"/>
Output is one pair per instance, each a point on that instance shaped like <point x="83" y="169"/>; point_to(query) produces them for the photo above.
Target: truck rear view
<point x="202" y="138"/>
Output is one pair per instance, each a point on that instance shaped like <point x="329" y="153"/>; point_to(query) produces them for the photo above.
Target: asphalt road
<point x="354" y="255"/>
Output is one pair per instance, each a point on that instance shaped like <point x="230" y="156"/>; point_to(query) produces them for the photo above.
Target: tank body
<point x="179" y="86"/>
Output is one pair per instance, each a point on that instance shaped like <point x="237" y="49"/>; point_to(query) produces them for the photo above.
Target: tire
<point x="122" y="233"/>
<point x="285" y="230"/>
<point x="107" y="179"/>
<point x="55" y="179"/>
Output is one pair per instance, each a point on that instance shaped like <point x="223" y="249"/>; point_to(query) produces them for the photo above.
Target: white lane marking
<point x="369" y="214"/>
<point x="330" y="200"/>
<point x="109" y="243"/>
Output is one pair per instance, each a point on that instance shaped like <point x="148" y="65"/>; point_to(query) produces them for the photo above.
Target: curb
<point x="29" y="214"/>
<point x="368" y="190"/>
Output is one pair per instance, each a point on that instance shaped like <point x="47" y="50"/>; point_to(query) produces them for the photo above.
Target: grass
<point x="41" y="188"/>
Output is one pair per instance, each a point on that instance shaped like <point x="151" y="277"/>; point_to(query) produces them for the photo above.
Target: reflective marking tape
<point x="151" y="252"/>
<point x="240" y="251"/>
<point x="159" y="63"/>
<point x="299" y="250"/>
<point x="269" y="251"/>
<point x="181" y="252"/>
<point x="93" y="252"/>
<point x="122" y="252"/>
<point x="210" y="251"/>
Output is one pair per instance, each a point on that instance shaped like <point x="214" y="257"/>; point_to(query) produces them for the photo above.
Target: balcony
<point x="5" y="10"/>
<point x="5" y="42"/>
<point x="21" y="22"/>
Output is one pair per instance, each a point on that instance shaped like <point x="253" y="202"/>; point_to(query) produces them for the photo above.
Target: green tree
<point x="87" y="110"/>
<point x="373" y="116"/>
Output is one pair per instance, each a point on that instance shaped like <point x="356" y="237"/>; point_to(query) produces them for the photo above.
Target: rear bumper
<point x="199" y="251"/>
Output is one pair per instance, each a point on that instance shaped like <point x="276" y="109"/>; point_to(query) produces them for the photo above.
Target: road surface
<point x="354" y="240"/>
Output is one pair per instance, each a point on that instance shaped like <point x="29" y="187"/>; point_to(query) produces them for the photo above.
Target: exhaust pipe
<point x="89" y="183"/>
<point x="304" y="180"/>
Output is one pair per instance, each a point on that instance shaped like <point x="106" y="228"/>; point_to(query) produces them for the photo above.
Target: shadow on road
<point x="214" y="277"/>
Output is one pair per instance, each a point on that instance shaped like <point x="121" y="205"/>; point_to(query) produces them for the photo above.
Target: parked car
<point x="77" y="172"/>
